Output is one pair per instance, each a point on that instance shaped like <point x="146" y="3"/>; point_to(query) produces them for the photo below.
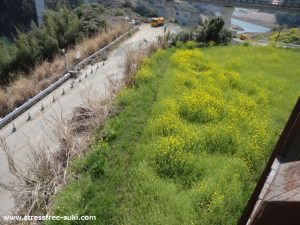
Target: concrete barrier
<point x="14" y="114"/>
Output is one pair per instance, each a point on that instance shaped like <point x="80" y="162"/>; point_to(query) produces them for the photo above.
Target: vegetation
<point x="60" y="30"/>
<point x="193" y="135"/>
<point x="212" y="31"/>
<point x="26" y="85"/>
<point x="287" y="36"/>
<point x="34" y="60"/>
<point x="91" y="19"/>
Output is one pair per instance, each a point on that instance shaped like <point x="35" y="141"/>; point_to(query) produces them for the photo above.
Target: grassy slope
<point x="188" y="145"/>
<point x="278" y="66"/>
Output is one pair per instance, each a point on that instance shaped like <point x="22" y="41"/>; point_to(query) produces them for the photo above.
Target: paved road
<point x="28" y="133"/>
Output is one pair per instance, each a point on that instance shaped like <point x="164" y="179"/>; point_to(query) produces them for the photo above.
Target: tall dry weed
<point x="135" y="57"/>
<point x="33" y="190"/>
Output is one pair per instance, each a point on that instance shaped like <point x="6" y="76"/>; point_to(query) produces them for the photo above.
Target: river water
<point x="249" y="27"/>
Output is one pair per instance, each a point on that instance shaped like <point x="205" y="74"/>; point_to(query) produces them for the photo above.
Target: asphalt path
<point x="29" y="133"/>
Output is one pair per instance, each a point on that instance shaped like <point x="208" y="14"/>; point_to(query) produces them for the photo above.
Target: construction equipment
<point x="158" y="21"/>
<point x="243" y="37"/>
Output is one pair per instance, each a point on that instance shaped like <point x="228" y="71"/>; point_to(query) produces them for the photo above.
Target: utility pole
<point x="278" y="35"/>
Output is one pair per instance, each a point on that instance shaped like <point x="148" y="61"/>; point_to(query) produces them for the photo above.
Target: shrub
<point x="222" y="138"/>
<point x="209" y="33"/>
<point x="174" y="162"/>
<point x="188" y="59"/>
<point x="191" y="44"/>
<point x="91" y="18"/>
<point x="200" y="106"/>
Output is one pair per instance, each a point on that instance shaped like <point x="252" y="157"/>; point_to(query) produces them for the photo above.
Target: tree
<point x="66" y="26"/>
<point x="8" y="52"/>
<point x="212" y="30"/>
<point x="49" y="40"/>
<point x="91" y="18"/>
<point x="24" y="59"/>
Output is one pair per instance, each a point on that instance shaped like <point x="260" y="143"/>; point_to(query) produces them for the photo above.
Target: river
<point x="249" y="27"/>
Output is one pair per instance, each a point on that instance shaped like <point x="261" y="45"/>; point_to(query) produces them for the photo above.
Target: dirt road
<point x="28" y="133"/>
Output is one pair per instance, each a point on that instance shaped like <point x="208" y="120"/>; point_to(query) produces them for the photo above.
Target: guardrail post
<point x="14" y="128"/>
<point x="28" y="117"/>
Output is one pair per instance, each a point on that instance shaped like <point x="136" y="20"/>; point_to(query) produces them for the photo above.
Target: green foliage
<point x="62" y="28"/>
<point x="192" y="139"/>
<point x="288" y="36"/>
<point x="65" y="24"/>
<point x="91" y="18"/>
<point x="213" y="30"/>
<point x="117" y="12"/>
<point x="209" y="33"/>
<point x="8" y="52"/>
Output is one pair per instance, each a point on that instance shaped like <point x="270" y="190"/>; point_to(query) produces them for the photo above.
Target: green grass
<point x="191" y="140"/>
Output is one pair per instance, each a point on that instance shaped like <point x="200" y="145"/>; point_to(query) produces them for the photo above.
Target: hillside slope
<point x="191" y="140"/>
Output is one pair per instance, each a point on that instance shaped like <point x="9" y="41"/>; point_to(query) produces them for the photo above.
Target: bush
<point x="288" y="36"/>
<point x="91" y="18"/>
<point x="200" y="106"/>
<point x="211" y="32"/>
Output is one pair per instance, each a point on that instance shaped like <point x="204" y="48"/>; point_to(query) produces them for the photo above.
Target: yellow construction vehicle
<point x="243" y="37"/>
<point x="159" y="21"/>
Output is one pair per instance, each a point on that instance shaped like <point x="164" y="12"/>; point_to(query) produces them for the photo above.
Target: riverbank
<point x="258" y="18"/>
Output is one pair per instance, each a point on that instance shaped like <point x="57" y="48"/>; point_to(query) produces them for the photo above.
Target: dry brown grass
<point x="34" y="189"/>
<point x="45" y="73"/>
<point x="135" y="57"/>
